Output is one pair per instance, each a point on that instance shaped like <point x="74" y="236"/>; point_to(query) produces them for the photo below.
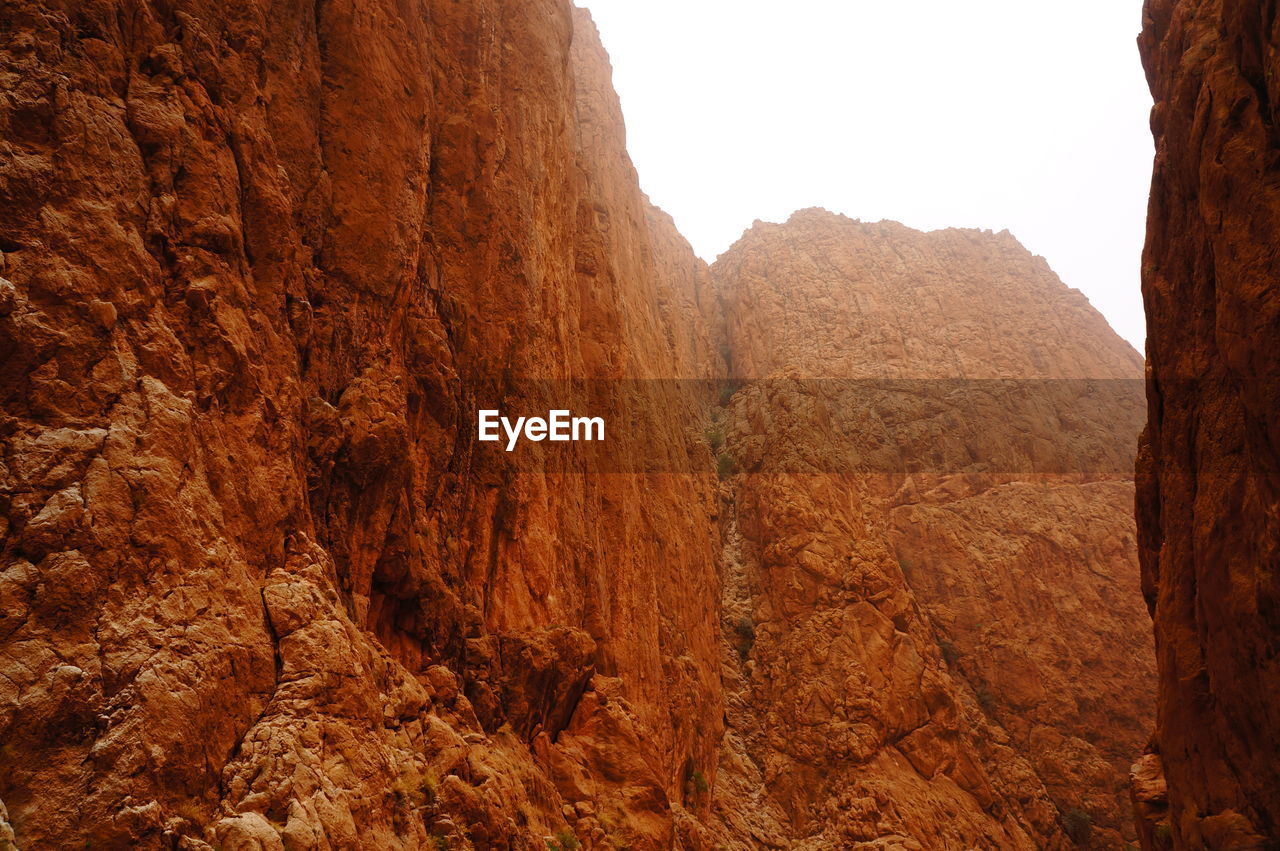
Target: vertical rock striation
<point x="260" y="587"/>
<point x="1209" y="475"/>
<point x="258" y="584"/>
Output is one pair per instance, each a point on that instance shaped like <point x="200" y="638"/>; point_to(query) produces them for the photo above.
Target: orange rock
<point x="1207" y="478"/>
<point x="257" y="587"/>
<point x="938" y="660"/>
<point x="259" y="263"/>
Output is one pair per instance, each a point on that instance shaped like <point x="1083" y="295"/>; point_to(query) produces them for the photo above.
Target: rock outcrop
<point x="947" y="658"/>
<point x="262" y="588"/>
<point x="259" y="585"/>
<point x="1209" y="477"/>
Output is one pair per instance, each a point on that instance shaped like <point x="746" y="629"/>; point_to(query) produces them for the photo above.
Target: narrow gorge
<point x="862" y="570"/>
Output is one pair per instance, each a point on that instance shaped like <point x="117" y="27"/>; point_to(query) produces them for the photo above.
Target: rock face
<point x="261" y="588"/>
<point x="939" y="659"/>
<point x="257" y="586"/>
<point x="839" y="299"/>
<point x="1209" y="477"/>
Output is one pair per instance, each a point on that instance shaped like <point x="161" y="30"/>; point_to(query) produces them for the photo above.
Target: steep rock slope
<point x="259" y="265"/>
<point x="259" y="583"/>
<point x="942" y="655"/>
<point x="1209" y="478"/>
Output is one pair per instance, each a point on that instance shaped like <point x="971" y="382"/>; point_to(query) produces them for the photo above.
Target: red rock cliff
<point x="258" y="586"/>
<point x="1209" y="478"/>
<point x="259" y="265"/>
<point x="940" y="658"/>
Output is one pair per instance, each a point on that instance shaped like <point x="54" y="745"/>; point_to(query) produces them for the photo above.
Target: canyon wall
<point x="260" y="264"/>
<point x="1209" y="475"/>
<point x="260" y="586"/>
<point x="944" y="655"/>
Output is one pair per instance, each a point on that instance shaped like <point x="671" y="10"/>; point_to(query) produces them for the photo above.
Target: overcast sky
<point x="1029" y="115"/>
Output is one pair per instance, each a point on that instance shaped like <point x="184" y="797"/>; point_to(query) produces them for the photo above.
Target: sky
<point x="1029" y="115"/>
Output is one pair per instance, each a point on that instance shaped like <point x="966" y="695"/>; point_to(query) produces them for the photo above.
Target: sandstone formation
<point x="261" y="588"/>
<point x="1209" y="476"/>
<point x="937" y="660"/>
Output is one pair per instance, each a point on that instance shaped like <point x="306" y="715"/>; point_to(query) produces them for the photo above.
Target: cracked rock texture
<point x="261" y="588"/>
<point x="943" y="659"/>
<point x="1209" y="474"/>
<point x="257" y="589"/>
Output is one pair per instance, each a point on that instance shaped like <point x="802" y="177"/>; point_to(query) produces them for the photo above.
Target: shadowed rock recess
<point x="263" y="589"/>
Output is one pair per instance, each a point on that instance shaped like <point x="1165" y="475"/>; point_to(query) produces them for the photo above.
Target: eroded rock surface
<point x="950" y="658"/>
<point x="261" y="589"/>
<point x="258" y="590"/>
<point x="1209" y="477"/>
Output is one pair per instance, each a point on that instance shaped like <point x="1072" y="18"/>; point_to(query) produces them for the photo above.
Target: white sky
<point x="1029" y="115"/>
